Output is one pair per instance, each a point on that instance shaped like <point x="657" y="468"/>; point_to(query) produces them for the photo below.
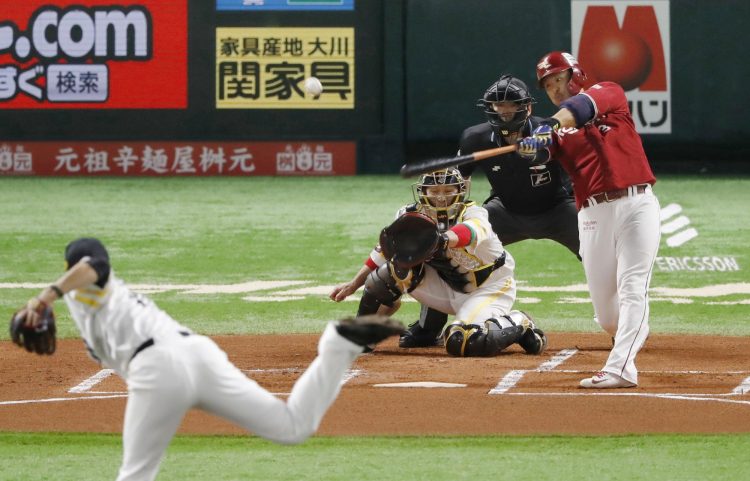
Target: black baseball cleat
<point x="418" y="336"/>
<point x="533" y="340"/>
<point x="369" y="330"/>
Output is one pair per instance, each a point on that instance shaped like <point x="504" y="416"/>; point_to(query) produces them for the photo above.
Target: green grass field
<point x="317" y="231"/>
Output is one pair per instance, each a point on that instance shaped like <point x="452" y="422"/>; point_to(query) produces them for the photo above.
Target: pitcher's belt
<point x="150" y="342"/>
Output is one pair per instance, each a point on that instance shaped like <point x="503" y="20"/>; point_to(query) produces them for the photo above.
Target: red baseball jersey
<point x="606" y="154"/>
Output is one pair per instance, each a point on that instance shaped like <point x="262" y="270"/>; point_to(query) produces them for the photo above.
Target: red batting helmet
<point x="557" y="61"/>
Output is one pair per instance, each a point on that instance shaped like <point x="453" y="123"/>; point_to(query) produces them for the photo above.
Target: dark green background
<point x="421" y="65"/>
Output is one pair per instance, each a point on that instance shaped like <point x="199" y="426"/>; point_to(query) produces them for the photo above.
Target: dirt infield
<point x="688" y="384"/>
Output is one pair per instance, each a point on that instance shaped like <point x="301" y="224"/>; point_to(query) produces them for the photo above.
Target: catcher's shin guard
<point x="473" y="340"/>
<point x="501" y="337"/>
<point x="385" y="285"/>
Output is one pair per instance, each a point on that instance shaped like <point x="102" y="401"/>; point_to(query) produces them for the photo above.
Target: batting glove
<point x="543" y="135"/>
<point x="528" y="147"/>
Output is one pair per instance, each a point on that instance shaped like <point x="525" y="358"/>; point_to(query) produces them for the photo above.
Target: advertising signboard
<point x="628" y="42"/>
<point x="265" y="68"/>
<point x="100" y="54"/>
<point x="190" y="159"/>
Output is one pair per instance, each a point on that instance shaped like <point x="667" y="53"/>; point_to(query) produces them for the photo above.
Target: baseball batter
<point x="594" y="137"/>
<point x="470" y="275"/>
<point x="527" y="201"/>
<point x="169" y="369"/>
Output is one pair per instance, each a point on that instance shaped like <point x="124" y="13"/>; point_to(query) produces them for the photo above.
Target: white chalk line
<point x="581" y="371"/>
<point x="85" y="387"/>
<point x="557" y="359"/>
<point x="679" y="397"/>
<point x="87" y="384"/>
<point x="743" y="387"/>
<point x="60" y="399"/>
<point x="513" y="377"/>
<point x="508" y="382"/>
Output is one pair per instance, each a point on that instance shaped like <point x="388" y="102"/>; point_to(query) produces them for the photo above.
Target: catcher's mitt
<point x="40" y="338"/>
<point x="410" y="240"/>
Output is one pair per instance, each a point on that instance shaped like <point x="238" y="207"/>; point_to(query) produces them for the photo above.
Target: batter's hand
<point x="529" y="147"/>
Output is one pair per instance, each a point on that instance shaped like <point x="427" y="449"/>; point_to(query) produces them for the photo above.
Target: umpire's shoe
<point x="533" y="340"/>
<point x="368" y="330"/>
<point x="418" y="336"/>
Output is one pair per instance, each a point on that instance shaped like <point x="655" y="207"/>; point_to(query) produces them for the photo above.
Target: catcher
<point x="443" y="252"/>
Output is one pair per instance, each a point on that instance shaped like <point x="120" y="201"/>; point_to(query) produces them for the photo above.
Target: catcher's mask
<point x="441" y="195"/>
<point x="507" y="89"/>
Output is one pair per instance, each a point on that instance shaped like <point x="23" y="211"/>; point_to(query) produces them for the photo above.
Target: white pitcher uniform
<point x="169" y="369"/>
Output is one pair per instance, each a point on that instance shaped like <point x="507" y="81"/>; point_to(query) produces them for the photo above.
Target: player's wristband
<point x="581" y="107"/>
<point x="552" y="122"/>
<point x="371" y="264"/>
<point x="57" y="291"/>
<point x="464" y="233"/>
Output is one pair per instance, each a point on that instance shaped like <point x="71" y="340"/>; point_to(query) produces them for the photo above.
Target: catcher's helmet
<point x="507" y="89"/>
<point x="557" y="61"/>
<point x="443" y="209"/>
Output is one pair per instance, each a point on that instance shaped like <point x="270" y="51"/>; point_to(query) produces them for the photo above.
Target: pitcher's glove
<point x="39" y="338"/>
<point x="410" y="240"/>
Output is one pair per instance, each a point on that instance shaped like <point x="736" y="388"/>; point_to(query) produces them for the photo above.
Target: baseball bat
<point x="431" y="165"/>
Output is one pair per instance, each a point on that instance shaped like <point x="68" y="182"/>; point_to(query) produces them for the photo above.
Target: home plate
<point x="420" y="384"/>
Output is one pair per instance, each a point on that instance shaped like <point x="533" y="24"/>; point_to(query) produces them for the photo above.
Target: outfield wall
<point x="401" y="77"/>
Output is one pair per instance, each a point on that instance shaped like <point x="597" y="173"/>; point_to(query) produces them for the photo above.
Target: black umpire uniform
<point x="526" y="201"/>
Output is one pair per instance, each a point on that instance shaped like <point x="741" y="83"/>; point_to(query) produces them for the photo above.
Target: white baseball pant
<point x="619" y="242"/>
<point x="493" y="299"/>
<point x="167" y="379"/>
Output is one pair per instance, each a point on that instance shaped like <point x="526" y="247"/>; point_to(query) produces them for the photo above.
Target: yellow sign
<point x="266" y="68"/>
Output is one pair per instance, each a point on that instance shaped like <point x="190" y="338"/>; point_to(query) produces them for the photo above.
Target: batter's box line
<point x="60" y="399"/>
<point x="513" y="377"/>
<point x="674" y="396"/>
<point x="579" y="371"/>
<point x="740" y="390"/>
<point x="85" y="386"/>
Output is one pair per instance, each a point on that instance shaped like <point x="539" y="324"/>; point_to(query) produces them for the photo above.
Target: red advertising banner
<point x="93" y="54"/>
<point x="628" y="42"/>
<point x="162" y="159"/>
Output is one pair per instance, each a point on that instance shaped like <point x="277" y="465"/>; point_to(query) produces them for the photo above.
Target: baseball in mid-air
<point x="313" y="86"/>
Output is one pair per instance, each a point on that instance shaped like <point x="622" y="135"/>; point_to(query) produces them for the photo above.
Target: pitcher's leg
<point x="236" y="397"/>
<point x="158" y="398"/>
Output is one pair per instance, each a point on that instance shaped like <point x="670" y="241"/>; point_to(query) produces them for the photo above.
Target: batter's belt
<point x="615" y="194"/>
